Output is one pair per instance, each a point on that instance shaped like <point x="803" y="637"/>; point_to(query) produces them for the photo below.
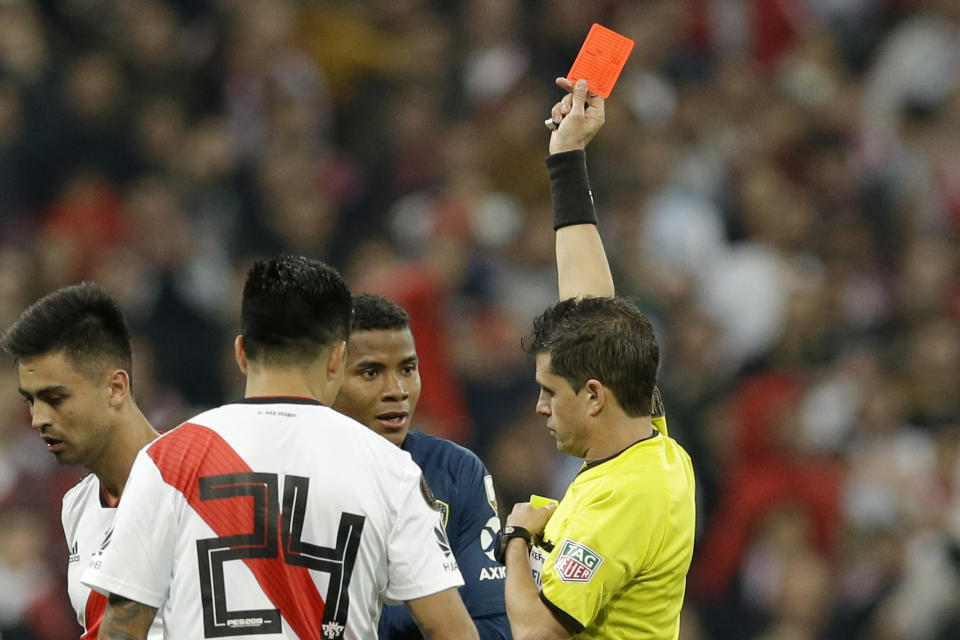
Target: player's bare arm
<point x="530" y="619"/>
<point x="443" y="615"/>
<point x="126" y="620"/>
<point x="582" y="267"/>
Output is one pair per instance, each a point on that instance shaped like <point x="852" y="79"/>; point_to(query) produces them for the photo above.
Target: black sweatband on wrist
<point x="570" y="189"/>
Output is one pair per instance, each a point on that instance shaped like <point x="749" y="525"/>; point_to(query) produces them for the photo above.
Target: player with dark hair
<point x="276" y="515"/>
<point x="381" y="389"/>
<point x="616" y="550"/>
<point x="74" y="365"/>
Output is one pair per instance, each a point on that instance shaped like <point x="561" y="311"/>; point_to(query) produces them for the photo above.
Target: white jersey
<point x="274" y="517"/>
<point x="87" y="516"/>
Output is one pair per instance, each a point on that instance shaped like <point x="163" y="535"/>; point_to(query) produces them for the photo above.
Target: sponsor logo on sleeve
<point x="74" y="553"/>
<point x="577" y="562"/>
<point x="449" y="561"/>
<point x="490" y="491"/>
<point x="488" y="538"/>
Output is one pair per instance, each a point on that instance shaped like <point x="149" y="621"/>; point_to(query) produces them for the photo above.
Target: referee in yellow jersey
<point x="610" y="561"/>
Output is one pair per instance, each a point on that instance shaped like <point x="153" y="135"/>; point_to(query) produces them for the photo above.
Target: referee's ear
<point x="596" y="396"/>
<point x="240" y="353"/>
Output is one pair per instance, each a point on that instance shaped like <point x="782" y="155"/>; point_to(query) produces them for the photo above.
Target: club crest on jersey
<point x="444" y="509"/>
<point x="577" y="562"/>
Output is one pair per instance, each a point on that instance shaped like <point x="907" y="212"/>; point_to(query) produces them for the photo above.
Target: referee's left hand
<point x="533" y="520"/>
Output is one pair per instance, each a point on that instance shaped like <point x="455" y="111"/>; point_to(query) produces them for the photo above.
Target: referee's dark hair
<point x="606" y="339"/>
<point x="372" y="312"/>
<point x="294" y="308"/>
<point x="81" y="320"/>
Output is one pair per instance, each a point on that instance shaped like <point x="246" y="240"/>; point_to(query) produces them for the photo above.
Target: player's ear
<point x="240" y="353"/>
<point x="336" y="359"/>
<point x="118" y="384"/>
<point x="596" y="397"/>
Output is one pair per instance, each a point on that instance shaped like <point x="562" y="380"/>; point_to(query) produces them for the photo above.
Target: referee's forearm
<point x="582" y="267"/>
<point x="529" y="617"/>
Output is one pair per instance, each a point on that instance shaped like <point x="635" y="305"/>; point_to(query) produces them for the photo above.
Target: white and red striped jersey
<point x="87" y="516"/>
<point x="274" y="517"/>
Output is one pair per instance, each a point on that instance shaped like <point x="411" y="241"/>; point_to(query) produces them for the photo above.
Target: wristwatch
<point x="509" y="532"/>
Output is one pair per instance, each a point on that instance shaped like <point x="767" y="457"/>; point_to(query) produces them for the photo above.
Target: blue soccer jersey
<point x="464" y="493"/>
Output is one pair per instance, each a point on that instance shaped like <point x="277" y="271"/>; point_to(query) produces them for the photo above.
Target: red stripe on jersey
<point x="191" y="452"/>
<point x="93" y="615"/>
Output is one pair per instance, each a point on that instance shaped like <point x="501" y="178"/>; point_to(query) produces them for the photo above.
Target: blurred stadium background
<point x="778" y="185"/>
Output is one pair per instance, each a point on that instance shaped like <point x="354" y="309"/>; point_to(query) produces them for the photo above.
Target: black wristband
<point x="509" y="532"/>
<point x="570" y="189"/>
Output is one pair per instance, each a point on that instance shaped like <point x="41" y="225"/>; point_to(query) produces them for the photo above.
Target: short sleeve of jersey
<point x="420" y="561"/>
<point x="601" y="549"/>
<point x="474" y="540"/>
<point x="136" y="557"/>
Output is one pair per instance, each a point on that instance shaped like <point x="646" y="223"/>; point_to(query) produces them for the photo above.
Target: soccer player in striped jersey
<point x="618" y="546"/>
<point x="381" y="390"/>
<point x="74" y="365"/>
<point x="277" y="516"/>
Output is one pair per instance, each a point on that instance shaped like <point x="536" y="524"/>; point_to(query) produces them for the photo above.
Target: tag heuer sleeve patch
<point x="577" y="562"/>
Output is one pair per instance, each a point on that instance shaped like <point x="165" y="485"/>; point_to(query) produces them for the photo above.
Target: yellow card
<point x="539" y="501"/>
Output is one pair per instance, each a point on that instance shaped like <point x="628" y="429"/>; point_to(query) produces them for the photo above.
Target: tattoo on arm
<point x="126" y="620"/>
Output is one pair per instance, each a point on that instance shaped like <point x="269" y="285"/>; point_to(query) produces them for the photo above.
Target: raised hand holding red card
<point x="575" y="118"/>
<point x="601" y="59"/>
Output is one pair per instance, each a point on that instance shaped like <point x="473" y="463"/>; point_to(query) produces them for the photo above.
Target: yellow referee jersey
<point x="620" y="542"/>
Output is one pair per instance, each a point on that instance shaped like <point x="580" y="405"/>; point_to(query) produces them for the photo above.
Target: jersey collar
<point x="280" y="400"/>
<point x="595" y="463"/>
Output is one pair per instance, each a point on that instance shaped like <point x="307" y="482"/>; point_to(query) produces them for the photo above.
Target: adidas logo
<point x="74" y="554"/>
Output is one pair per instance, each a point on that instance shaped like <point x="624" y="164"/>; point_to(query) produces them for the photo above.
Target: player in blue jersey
<point x="380" y="389"/>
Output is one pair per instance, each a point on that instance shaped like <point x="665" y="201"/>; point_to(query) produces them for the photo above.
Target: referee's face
<point x="382" y="382"/>
<point x="563" y="409"/>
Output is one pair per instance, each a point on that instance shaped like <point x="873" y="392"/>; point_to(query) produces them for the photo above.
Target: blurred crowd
<point x="778" y="184"/>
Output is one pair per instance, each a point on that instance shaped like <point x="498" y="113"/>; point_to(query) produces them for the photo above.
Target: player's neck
<point x="616" y="435"/>
<point x="131" y="433"/>
<point x="286" y="382"/>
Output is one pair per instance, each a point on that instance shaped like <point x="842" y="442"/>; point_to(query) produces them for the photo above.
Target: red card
<point x="601" y="59"/>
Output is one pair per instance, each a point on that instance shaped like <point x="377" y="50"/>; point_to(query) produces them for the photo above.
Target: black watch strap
<point x="509" y="532"/>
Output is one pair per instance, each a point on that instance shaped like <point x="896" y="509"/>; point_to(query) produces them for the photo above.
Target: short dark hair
<point x="293" y="309"/>
<point x="83" y="321"/>
<point x="607" y="339"/>
<point x="372" y="312"/>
